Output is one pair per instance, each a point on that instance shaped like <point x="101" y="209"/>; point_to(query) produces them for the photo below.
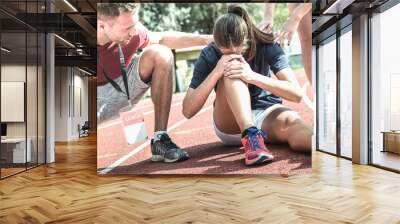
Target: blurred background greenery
<point x="199" y="18"/>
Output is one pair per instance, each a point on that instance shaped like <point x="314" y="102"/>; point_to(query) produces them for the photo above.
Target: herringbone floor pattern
<point x="70" y="191"/>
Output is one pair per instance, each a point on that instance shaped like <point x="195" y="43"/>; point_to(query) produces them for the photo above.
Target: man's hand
<point x="222" y="64"/>
<point x="266" y="26"/>
<point x="268" y="20"/>
<point x="289" y="28"/>
<point x="240" y="69"/>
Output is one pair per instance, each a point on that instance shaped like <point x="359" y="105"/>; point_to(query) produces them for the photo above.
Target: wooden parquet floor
<point x="70" y="191"/>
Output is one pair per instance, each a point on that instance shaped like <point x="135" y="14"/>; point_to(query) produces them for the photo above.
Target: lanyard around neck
<point x="123" y="72"/>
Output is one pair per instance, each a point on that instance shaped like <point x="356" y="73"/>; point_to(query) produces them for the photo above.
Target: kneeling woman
<point x="248" y="106"/>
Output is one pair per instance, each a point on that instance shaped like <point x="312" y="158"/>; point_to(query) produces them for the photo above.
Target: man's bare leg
<point x="304" y="31"/>
<point x="156" y="66"/>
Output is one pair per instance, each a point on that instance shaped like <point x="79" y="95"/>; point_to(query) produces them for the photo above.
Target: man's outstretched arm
<point x="176" y="40"/>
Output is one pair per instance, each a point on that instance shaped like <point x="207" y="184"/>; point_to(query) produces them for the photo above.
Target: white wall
<point x="12" y="101"/>
<point x="61" y="103"/>
<point x="70" y="84"/>
<point x="16" y="73"/>
<point x="80" y="94"/>
<point x="33" y="126"/>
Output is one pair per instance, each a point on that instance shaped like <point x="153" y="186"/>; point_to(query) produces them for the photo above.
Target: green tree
<point x="199" y="17"/>
<point x="281" y="15"/>
<point x="185" y="17"/>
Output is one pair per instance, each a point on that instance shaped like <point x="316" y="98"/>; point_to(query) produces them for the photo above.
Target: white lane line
<point x="144" y="145"/>
<point x="152" y="111"/>
<point x="150" y="104"/>
<point x="117" y="121"/>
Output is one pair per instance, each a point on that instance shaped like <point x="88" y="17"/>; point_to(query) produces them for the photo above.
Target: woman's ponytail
<point x="229" y="31"/>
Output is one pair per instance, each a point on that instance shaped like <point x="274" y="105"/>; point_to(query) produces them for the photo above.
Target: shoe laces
<point x="253" y="139"/>
<point x="166" y="140"/>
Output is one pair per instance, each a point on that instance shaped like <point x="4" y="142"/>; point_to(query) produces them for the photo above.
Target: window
<point x="346" y="93"/>
<point x="385" y="85"/>
<point x="327" y="96"/>
<point x="22" y="75"/>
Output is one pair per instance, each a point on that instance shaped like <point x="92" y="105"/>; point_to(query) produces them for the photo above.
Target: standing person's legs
<point x="156" y="66"/>
<point x="304" y="31"/>
<point x="284" y="125"/>
<point x="268" y="21"/>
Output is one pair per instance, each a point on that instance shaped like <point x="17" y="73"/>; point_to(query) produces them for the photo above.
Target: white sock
<point x="158" y="134"/>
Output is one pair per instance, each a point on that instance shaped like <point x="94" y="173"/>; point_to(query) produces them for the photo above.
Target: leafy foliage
<point x="199" y="17"/>
<point x="281" y="15"/>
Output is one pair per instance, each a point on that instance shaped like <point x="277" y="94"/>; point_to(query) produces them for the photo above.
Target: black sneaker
<point x="164" y="150"/>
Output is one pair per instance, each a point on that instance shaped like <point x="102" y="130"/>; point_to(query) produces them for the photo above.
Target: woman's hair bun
<point x="236" y="9"/>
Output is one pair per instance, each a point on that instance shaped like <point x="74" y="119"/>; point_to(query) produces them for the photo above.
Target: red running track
<point x="207" y="154"/>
